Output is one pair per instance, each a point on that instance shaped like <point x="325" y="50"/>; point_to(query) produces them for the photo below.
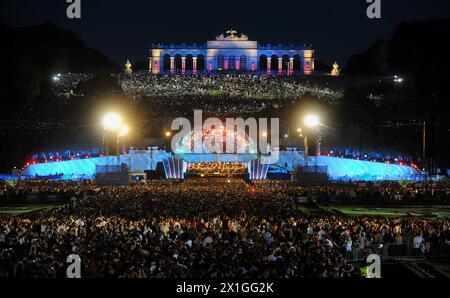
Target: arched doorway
<point x="220" y="62"/>
<point x="263" y="62"/>
<point x="200" y="62"/>
<point x="166" y="62"/>
<point x="285" y="62"/>
<point x="189" y="62"/>
<point x="243" y="62"/>
<point x="178" y="63"/>
<point x="297" y="63"/>
<point x="232" y="62"/>
<point x="274" y="62"/>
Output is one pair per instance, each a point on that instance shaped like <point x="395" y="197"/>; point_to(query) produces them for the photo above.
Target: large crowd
<point x="242" y="86"/>
<point x="242" y="93"/>
<point x="205" y="228"/>
<point x="196" y="228"/>
<point x="66" y="85"/>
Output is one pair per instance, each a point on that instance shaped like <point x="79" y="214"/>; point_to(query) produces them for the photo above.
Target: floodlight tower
<point x="112" y="125"/>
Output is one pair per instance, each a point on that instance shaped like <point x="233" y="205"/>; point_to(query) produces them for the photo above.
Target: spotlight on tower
<point x="312" y="121"/>
<point x="112" y="121"/>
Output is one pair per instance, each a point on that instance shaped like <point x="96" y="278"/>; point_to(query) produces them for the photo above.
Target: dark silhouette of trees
<point x="33" y="55"/>
<point x="418" y="51"/>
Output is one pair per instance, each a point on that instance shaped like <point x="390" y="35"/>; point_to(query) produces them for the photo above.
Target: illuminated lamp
<point x="111" y="121"/>
<point x="312" y="120"/>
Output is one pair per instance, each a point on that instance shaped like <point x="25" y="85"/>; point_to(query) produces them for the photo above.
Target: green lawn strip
<point x="310" y="210"/>
<point x="439" y="211"/>
<point x="330" y="209"/>
<point x="363" y="212"/>
<point x="19" y="210"/>
<point x="393" y="211"/>
<point x="216" y="92"/>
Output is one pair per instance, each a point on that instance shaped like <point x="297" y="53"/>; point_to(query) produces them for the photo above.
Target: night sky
<point x="124" y="29"/>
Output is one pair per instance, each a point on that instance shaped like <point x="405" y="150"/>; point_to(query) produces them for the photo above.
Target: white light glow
<point x="124" y="130"/>
<point x="312" y="120"/>
<point x="112" y="121"/>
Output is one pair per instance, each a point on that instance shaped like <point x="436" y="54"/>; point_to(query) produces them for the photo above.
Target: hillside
<point x="33" y="55"/>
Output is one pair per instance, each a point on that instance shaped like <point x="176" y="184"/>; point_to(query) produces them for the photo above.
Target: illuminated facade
<point x="231" y="52"/>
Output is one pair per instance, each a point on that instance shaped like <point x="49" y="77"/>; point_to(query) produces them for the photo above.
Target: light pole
<point x="122" y="133"/>
<point x="397" y="84"/>
<point x="111" y="122"/>
<point x="305" y="142"/>
<point x="114" y="129"/>
<point x="312" y="121"/>
<point x="167" y="140"/>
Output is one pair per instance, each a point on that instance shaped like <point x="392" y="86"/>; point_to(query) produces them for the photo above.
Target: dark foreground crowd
<point x="198" y="228"/>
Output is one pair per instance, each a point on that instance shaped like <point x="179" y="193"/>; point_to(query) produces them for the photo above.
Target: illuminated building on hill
<point x="231" y="51"/>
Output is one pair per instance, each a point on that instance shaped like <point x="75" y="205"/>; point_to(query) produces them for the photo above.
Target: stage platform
<point x="175" y="166"/>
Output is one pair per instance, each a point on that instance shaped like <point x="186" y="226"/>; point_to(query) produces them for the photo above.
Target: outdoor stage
<point x="176" y="166"/>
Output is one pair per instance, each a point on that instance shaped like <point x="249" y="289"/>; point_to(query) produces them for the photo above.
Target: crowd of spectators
<point x="66" y="85"/>
<point x="243" y="93"/>
<point x="241" y="86"/>
<point x="196" y="228"/>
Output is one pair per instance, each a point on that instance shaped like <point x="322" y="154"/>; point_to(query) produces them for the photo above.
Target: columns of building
<point x="238" y="63"/>
<point x="291" y="64"/>
<point x="269" y="63"/>
<point x="280" y="64"/>
<point x="209" y="60"/>
<point x="183" y="63"/>
<point x="154" y="60"/>
<point x="308" y="61"/>
<point x="150" y="64"/>
<point x="194" y="63"/>
<point x="172" y="64"/>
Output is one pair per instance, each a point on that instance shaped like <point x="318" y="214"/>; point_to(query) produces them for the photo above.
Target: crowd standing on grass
<point x="195" y="228"/>
<point x="242" y="93"/>
<point x="242" y="86"/>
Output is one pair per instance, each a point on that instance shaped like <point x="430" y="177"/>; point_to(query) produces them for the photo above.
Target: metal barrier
<point x="399" y="250"/>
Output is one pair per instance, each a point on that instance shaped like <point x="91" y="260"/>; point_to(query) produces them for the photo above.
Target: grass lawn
<point x="310" y="210"/>
<point x="23" y="209"/>
<point x="215" y="92"/>
<point x="435" y="211"/>
<point x="362" y="211"/>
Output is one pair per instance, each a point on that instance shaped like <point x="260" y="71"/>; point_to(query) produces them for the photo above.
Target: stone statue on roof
<point x="335" y="71"/>
<point x="232" y="35"/>
<point x="231" y="32"/>
<point x="128" y="68"/>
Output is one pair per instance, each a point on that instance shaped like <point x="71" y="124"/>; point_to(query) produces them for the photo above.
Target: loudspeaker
<point x="312" y="145"/>
<point x="160" y="169"/>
